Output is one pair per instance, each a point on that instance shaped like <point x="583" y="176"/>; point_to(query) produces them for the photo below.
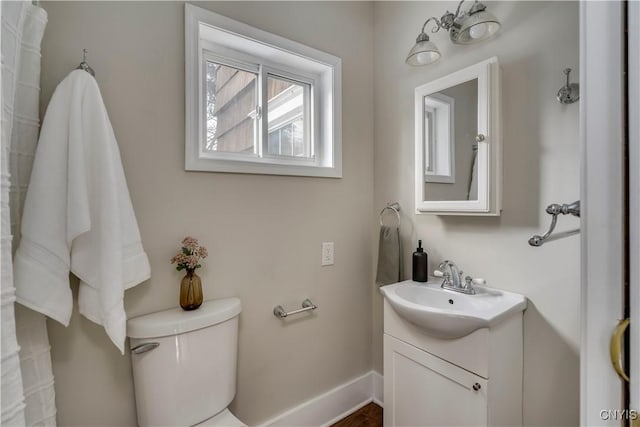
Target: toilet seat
<point x="223" y="419"/>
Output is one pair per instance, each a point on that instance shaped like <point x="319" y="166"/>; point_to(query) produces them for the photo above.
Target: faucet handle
<point x="447" y="277"/>
<point x="477" y="281"/>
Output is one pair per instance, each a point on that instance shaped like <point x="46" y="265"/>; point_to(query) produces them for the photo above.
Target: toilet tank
<point x="190" y="375"/>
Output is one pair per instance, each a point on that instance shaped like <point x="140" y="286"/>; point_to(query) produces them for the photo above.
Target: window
<point x="259" y="103"/>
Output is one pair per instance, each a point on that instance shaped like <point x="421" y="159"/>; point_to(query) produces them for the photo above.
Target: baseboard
<point x="333" y="405"/>
<point x="378" y="389"/>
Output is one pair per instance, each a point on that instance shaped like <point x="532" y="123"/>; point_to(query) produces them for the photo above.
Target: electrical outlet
<point x="327" y="253"/>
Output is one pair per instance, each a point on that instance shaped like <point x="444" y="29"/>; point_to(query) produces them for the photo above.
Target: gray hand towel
<point x="389" y="256"/>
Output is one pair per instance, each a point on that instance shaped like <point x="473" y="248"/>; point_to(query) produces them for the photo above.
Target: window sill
<point x="262" y="168"/>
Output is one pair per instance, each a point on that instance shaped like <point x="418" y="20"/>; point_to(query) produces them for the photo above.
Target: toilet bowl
<point x="184" y="365"/>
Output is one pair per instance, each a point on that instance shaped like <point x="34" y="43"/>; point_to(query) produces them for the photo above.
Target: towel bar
<point x="554" y="210"/>
<point x="307" y="305"/>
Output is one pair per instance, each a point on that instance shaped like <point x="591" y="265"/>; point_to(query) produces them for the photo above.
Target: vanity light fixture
<point x="473" y="26"/>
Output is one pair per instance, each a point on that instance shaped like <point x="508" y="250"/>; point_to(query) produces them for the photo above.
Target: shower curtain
<point x="28" y="396"/>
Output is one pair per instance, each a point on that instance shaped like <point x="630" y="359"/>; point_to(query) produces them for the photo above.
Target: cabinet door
<point x="423" y="390"/>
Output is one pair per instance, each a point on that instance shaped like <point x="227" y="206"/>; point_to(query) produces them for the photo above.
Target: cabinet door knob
<point x="477" y="386"/>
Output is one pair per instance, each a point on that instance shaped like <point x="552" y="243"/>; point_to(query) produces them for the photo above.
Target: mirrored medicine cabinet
<point x="458" y="152"/>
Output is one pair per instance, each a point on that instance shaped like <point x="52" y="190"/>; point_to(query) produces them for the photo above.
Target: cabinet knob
<point x="477" y="386"/>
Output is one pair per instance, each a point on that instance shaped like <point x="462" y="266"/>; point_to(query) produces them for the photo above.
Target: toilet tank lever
<point x="143" y="348"/>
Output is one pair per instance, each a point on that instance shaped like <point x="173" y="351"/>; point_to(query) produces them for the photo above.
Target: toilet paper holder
<point x="307" y="305"/>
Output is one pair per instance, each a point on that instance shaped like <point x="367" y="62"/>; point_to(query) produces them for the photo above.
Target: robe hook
<point x="84" y="65"/>
<point x="570" y="92"/>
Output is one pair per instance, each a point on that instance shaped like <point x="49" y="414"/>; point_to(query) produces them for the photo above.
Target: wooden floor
<point x="367" y="416"/>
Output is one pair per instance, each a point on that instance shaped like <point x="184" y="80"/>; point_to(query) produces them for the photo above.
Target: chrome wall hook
<point x="84" y="65"/>
<point x="570" y="92"/>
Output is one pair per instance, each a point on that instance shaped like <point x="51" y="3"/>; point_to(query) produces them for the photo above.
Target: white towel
<point x="78" y="215"/>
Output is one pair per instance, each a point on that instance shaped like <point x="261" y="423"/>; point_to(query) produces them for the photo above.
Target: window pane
<point x="274" y="143"/>
<point x="286" y="142"/>
<point x="287" y="114"/>
<point x="298" y="138"/>
<point x="231" y="105"/>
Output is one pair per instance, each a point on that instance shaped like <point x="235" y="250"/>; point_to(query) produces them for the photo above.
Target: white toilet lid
<point x="223" y="419"/>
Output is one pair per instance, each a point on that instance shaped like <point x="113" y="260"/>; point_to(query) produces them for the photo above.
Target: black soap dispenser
<point x="420" y="264"/>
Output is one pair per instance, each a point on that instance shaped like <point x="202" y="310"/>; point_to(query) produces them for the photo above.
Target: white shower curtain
<point x="28" y="396"/>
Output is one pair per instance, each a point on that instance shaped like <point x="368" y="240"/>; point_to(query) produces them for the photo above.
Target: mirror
<point x="458" y="147"/>
<point x="450" y="147"/>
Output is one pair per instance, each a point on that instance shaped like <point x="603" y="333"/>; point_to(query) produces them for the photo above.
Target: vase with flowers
<point x="188" y="259"/>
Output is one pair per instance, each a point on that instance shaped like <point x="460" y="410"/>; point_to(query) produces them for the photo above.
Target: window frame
<point x="318" y="72"/>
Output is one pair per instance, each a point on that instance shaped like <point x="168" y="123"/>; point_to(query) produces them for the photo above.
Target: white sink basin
<point x="447" y="314"/>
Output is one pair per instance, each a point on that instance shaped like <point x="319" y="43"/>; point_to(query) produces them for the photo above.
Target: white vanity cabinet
<point x="475" y="380"/>
<point x="428" y="391"/>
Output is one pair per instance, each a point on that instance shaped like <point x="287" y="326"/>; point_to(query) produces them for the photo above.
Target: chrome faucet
<point x="451" y="274"/>
<point x="453" y="278"/>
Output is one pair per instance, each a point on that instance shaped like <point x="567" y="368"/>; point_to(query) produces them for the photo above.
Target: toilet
<point x="184" y="365"/>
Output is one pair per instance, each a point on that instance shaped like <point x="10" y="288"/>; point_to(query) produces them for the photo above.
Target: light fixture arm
<point x="476" y="7"/>
<point x="449" y="19"/>
<point x="436" y="28"/>
<point x="457" y="15"/>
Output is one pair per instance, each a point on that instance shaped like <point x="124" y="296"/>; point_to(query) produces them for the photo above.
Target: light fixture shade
<point x="424" y="52"/>
<point x="476" y="27"/>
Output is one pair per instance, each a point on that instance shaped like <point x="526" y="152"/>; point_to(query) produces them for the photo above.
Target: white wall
<point x="541" y="159"/>
<point x="264" y="233"/>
